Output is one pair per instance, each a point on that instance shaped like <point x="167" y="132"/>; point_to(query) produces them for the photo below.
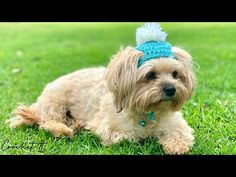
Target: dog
<point x="119" y="102"/>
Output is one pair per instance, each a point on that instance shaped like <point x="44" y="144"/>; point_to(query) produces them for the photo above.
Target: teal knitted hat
<point x="151" y="41"/>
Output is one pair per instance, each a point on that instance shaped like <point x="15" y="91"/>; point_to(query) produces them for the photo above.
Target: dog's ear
<point x="186" y="59"/>
<point x="121" y="75"/>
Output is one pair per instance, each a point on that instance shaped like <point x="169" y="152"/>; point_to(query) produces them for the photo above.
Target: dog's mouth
<point x="165" y="101"/>
<point x="162" y="100"/>
<point x="166" y="98"/>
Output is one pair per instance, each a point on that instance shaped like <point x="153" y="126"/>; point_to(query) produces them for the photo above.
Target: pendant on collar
<point x="142" y="122"/>
<point x="151" y="117"/>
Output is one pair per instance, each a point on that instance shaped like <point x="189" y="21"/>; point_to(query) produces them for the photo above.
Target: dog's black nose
<point x="169" y="90"/>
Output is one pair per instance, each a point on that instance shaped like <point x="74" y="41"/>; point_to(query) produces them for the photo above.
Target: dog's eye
<point x="174" y="74"/>
<point x="151" y="76"/>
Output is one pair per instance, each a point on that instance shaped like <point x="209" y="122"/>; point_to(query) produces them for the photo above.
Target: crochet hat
<point x="151" y="41"/>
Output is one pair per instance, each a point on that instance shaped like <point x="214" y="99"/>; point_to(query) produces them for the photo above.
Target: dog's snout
<point x="169" y="90"/>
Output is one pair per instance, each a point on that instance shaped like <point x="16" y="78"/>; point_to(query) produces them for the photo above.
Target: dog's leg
<point x="113" y="137"/>
<point x="53" y="117"/>
<point x="106" y="133"/>
<point x="57" y="128"/>
<point x="108" y="130"/>
<point x="175" y="135"/>
<point x="50" y="116"/>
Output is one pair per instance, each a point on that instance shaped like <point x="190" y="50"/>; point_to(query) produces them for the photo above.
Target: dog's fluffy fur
<point x="111" y="101"/>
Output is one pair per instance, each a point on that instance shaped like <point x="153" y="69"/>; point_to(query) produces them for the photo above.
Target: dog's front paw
<point x="177" y="148"/>
<point x="109" y="137"/>
<point x="178" y="145"/>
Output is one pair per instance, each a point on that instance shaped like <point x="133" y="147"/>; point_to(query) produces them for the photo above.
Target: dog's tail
<point x="24" y="115"/>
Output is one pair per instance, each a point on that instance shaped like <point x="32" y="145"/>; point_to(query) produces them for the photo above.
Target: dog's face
<point x="158" y="84"/>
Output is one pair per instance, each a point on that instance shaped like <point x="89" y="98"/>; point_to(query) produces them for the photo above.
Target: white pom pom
<point x="150" y="32"/>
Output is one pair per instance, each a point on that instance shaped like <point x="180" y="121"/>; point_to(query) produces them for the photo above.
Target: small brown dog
<point x="122" y="101"/>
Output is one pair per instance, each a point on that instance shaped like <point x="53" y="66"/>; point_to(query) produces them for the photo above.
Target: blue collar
<point x="151" y="117"/>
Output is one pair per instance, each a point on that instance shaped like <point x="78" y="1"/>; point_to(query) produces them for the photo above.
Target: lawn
<point x="33" y="54"/>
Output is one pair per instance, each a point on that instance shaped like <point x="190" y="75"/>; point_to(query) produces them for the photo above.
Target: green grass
<point x="50" y="50"/>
